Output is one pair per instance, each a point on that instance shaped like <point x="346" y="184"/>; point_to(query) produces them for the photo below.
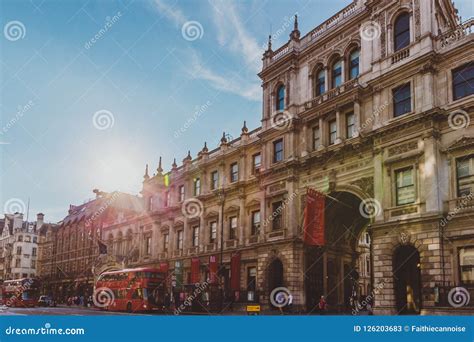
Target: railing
<point x="280" y="52"/>
<point x="455" y="35"/>
<point x="346" y="86"/>
<point x="401" y="55"/>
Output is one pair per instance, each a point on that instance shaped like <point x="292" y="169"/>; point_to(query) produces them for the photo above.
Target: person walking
<point x="322" y="305"/>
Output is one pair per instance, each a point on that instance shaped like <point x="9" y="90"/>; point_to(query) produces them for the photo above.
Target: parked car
<point x="46" y="301"/>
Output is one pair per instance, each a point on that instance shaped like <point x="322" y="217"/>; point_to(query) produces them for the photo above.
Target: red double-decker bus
<point x="131" y="290"/>
<point x="20" y="292"/>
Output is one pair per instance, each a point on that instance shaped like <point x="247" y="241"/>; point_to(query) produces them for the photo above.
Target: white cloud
<point x="230" y="83"/>
<point x="171" y="12"/>
<point x="233" y="35"/>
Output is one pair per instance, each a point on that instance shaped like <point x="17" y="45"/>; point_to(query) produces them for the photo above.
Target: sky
<point x="92" y="91"/>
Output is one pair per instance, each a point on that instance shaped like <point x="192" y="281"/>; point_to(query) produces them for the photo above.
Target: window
<point x="354" y="64"/>
<point x="277" y="214"/>
<point x="18" y="263"/>
<point x="405" y="188"/>
<point x="33" y="251"/>
<point x="18" y="250"/>
<point x="197" y="186"/>
<point x="332" y="132"/>
<point x="350" y="125"/>
<point x="402" y="32"/>
<point x="195" y="236"/>
<point x="280" y="105"/>
<point x="214" y="180"/>
<point x="167" y="199"/>
<point x="320" y="83"/>
<point x="27" y="238"/>
<point x="166" y="241"/>
<point x="466" y="265"/>
<point x="232" y="227"/>
<point x="316" y="138"/>
<point x="35" y="239"/>
<point x="181" y="193"/>
<point x="148" y="245"/>
<point x="255" y="222"/>
<point x="465" y="175"/>
<point x="179" y="240"/>
<point x="213" y="231"/>
<point x="234" y="172"/>
<point x="463" y="81"/>
<point x="337" y="74"/>
<point x="20" y="238"/>
<point x="251" y="282"/>
<point x="278" y="150"/>
<point x="367" y="265"/>
<point x="402" y="100"/>
<point x="33" y="263"/>
<point x="256" y="162"/>
<point x="150" y="203"/>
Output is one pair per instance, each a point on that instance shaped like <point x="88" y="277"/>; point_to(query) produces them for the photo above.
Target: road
<point x="60" y="310"/>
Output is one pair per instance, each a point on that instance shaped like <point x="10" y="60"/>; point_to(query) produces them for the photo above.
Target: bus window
<point x="137" y="294"/>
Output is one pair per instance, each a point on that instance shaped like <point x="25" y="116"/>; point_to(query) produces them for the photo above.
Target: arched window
<point x="280" y="104"/>
<point x="320" y="83"/>
<point x="337" y="73"/>
<point x="354" y="64"/>
<point x="402" y="31"/>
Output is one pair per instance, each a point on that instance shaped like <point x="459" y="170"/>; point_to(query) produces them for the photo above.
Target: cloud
<point x="171" y="12"/>
<point x="233" y="35"/>
<point x="231" y="83"/>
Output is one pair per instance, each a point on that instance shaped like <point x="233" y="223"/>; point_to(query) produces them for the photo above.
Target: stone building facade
<point x="373" y="108"/>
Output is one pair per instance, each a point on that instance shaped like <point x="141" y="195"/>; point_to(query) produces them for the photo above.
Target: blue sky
<point x="141" y="76"/>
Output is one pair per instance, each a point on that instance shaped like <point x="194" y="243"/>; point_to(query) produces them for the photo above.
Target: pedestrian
<point x="322" y="305"/>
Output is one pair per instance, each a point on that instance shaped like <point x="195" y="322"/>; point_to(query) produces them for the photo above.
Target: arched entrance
<point x="275" y="275"/>
<point x="332" y="270"/>
<point x="407" y="280"/>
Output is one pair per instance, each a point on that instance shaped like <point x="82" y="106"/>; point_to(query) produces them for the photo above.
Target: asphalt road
<point x="60" y="310"/>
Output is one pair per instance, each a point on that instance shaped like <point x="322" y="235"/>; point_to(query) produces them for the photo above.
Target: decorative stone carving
<point x="366" y="184"/>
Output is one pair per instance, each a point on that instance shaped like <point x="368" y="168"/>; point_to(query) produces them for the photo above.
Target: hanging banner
<point x="164" y="267"/>
<point x="314" y="220"/>
<point x="212" y="269"/>
<point x="235" y="272"/>
<point x="195" y="274"/>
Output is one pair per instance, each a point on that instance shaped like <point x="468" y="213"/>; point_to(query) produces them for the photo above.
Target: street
<point x="59" y="310"/>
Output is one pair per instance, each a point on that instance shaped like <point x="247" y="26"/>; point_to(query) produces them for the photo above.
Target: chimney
<point x="39" y="220"/>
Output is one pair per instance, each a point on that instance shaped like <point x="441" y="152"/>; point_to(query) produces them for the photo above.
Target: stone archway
<point x="333" y="270"/>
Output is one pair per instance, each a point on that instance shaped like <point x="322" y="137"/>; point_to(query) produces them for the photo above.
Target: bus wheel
<point x="129" y="307"/>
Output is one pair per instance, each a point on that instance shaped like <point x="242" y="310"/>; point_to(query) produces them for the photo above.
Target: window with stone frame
<point x="278" y="150"/>
<point x="280" y="101"/>
<point x="320" y="83"/>
<point x="332" y="131"/>
<point x="401" y="100"/>
<point x="405" y="186"/>
<point x="212" y="231"/>
<point x="232" y="227"/>
<point x="465" y="175"/>
<point x="463" y="81"/>
<point x="316" y="138"/>
<point x="354" y="64"/>
<point x="197" y="186"/>
<point x="234" y="172"/>
<point x="195" y="236"/>
<point x="350" y="125"/>
<point x="337" y="73"/>
<point x="277" y="215"/>
<point x="401" y="31"/>
<point x="179" y="240"/>
<point x="256" y="162"/>
<point x="166" y="240"/>
<point x="255" y="227"/>
<point x="181" y="193"/>
<point x="466" y="265"/>
<point x="147" y="244"/>
<point x="214" y="180"/>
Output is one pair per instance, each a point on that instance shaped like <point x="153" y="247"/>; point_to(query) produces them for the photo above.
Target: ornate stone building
<point x="373" y="108"/>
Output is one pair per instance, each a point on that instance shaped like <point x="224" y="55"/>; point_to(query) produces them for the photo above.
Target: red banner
<point x="235" y="272"/>
<point x="212" y="269"/>
<point x="164" y="267"/>
<point x="314" y="218"/>
<point x="195" y="274"/>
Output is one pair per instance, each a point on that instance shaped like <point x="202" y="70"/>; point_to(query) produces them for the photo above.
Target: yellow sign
<point x="253" y="308"/>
